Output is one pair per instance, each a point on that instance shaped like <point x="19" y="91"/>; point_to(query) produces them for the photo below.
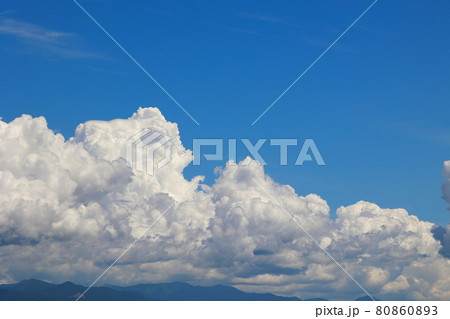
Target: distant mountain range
<point x="34" y="289"/>
<point x="38" y="290"/>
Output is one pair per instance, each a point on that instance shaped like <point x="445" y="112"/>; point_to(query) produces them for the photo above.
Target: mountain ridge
<point x="39" y="290"/>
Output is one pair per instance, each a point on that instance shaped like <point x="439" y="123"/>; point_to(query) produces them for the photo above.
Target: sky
<point x="376" y="104"/>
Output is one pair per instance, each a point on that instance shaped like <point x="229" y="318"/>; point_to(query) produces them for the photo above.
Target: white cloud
<point x="31" y="31"/>
<point x="399" y="284"/>
<point x="44" y="40"/>
<point x="68" y="208"/>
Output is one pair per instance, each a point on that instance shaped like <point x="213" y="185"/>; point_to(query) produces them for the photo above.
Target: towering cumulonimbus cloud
<point x="69" y="208"/>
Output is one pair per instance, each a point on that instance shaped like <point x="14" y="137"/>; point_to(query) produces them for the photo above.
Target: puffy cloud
<point x="399" y="284"/>
<point x="383" y="233"/>
<point x="78" y="202"/>
<point x="446" y="185"/>
<point x="50" y="188"/>
<point x="68" y="209"/>
<point x="442" y="234"/>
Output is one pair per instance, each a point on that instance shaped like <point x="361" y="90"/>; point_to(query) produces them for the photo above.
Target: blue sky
<point x="376" y="104"/>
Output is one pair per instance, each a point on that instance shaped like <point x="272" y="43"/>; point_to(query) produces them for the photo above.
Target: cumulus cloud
<point x="442" y="234"/>
<point x="446" y="185"/>
<point x="68" y="209"/>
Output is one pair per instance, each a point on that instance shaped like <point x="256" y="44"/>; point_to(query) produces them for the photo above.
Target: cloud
<point x="31" y="31"/>
<point x="446" y="185"/>
<point x="43" y="40"/>
<point x="442" y="234"/>
<point x="68" y="209"/>
<point x="399" y="284"/>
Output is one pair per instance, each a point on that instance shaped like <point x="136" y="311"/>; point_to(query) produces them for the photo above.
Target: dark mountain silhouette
<point x="36" y="290"/>
<point x="30" y="285"/>
<point x="180" y="291"/>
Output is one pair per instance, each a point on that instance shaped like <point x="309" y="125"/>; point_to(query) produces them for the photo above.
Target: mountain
<point x="179" y="291"/>
<point x="37" y="290"/>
